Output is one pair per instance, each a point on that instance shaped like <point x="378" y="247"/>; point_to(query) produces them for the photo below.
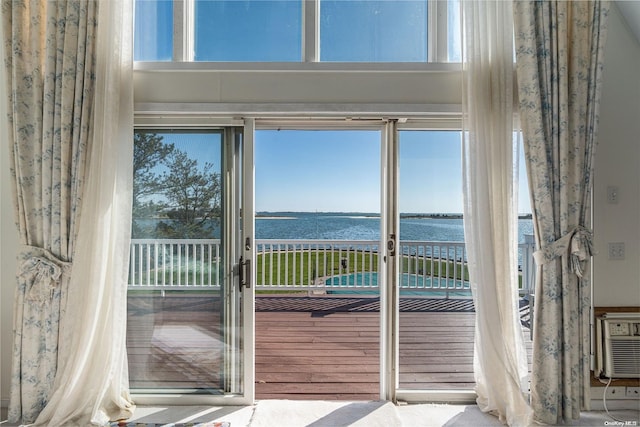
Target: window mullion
<point x="442" y="29"/>
<point x="189" y="30"/>
<point x="437" y="31"/>
<point x="311" y="30"/>
<point x="432" y="33"/>
<point x="178" y="34"/>
<point x="183" y="30"/>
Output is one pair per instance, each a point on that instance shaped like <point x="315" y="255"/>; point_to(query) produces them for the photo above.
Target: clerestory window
<point x="374" y="31"/>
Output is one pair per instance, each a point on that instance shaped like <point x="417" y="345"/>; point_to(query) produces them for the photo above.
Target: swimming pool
<point x="368" y="281"/>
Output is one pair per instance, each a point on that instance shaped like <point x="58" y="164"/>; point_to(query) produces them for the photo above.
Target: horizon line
<point x="372" y="213"/>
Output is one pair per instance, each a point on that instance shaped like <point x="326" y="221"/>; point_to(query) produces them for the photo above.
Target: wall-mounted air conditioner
<point x="618" y="345"/>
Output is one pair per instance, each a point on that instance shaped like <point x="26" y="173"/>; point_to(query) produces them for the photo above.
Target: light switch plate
<point x="616" y="251"/>
<point x="613" y="194"/>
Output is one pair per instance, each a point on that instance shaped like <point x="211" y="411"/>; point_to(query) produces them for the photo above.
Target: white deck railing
<point x="174" y="263"/>
<point x="326" y="265"/>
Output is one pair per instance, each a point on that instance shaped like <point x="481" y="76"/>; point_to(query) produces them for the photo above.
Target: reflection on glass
<point x="176" y="331"/>
<point x="373" y="31"/>
<point x="252" y="30"/>
<point x="153" y="33"/>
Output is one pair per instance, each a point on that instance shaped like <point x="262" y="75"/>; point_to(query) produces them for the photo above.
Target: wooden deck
<point x="317" y="347"/>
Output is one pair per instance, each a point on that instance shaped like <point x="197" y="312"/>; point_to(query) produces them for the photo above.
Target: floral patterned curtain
<point x="50" y="60"/>
<point x="559" y="47"/>
<point x="64" y="84"/>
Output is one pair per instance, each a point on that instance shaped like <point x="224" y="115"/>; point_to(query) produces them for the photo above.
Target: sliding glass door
<point x="428" y="317"/>
<point x="391" y="273"/>
<point x="189" y="301"/>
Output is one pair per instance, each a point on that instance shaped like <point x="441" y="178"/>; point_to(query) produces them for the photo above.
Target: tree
<point x="168" y="184"/>
<point x="192" y="195"/>
<point x="149" y="152"/>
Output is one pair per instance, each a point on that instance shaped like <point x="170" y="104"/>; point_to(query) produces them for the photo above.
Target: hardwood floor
<point x="307" y="347"/>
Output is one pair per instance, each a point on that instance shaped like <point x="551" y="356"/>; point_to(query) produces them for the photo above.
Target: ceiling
<point x="630" y="10"/>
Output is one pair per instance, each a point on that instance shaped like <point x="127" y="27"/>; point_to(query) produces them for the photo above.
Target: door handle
<point x="244" y="273"/>
<point x="391" y="245"/>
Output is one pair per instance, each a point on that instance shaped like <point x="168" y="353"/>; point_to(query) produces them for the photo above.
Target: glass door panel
<point x="184" y="319"/>
<point x="436" y="314"/>
<point x="433" y="354"/>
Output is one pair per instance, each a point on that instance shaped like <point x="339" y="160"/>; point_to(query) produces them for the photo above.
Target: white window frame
<point x="184" y="34"/>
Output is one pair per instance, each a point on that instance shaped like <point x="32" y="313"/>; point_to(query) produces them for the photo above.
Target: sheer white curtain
<point x="490" y="214"/>
<point x="92" y="384"/>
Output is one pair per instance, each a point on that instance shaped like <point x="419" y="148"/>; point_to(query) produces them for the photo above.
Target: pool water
<point x="410" y="282"/>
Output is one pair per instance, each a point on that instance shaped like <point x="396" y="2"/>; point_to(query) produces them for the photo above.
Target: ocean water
<point x="359" y="226"/>
<point x="340" y="226"/>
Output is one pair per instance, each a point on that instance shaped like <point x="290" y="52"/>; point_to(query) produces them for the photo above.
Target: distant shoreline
<point x="292" y="215"/>
<point x="289" y="215"/>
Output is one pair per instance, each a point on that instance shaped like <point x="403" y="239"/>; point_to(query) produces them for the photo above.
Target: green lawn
<point x="313" y="264"/>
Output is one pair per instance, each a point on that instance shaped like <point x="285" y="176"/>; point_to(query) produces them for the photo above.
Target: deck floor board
<point x="329" y="351"/>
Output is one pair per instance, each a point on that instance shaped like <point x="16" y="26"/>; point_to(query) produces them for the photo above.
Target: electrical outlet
<point x="616" y="392"/>
<point x="616" y="251"/>
<point x="633" y="392"/>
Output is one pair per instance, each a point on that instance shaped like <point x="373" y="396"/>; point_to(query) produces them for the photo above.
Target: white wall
<point x="617" y="283"/>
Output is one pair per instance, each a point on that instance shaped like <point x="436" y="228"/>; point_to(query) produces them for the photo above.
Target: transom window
<point x="397" y="31"/>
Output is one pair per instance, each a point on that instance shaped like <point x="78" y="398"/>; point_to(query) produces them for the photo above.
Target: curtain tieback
<point x="42" y="271"/>
<point x="577" y="244"/>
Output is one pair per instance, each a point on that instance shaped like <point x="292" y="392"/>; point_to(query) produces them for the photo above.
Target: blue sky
<point x="248" y="31"/>
<point x="329" y="171"/>
<point x="271" y="30"/>
<point x="339" y="170"/>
